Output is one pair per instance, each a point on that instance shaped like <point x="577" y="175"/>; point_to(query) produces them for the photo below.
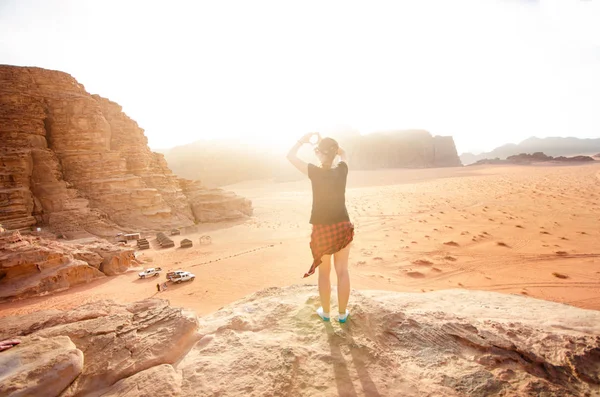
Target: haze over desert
<point x="510" y="229"/>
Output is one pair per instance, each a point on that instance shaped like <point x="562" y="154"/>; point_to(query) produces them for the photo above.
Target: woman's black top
<point x="329" y="194"/>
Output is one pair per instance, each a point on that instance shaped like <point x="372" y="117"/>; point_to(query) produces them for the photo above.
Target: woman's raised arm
<point x="292" y="155"/>
<point x="343" y="155"/>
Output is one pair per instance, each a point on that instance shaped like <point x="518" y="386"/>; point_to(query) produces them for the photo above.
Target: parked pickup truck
<point x="174" y="273"/>
<point x="153" y="271"/>
<point x="183" y="276"/>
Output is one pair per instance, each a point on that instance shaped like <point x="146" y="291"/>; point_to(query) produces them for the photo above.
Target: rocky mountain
<point x="444" y="343"/>
<point x="526" y="158"/>
<point x="75" y="162"/>
<point x="551" y="146"/>
<point x="222" y="163"/>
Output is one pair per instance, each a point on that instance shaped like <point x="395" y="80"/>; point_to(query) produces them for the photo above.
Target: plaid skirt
<point x="327" y="240"/>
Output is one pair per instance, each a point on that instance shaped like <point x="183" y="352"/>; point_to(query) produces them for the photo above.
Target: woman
<point x="332" y="230"/>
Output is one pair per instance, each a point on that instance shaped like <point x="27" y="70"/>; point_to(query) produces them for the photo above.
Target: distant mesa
<point x="537" y="157"/>
<point x="76" y="164"/>
<point x="393" y="149"/>
<point x="555" y="146"/>
<point x="401" y="149"/>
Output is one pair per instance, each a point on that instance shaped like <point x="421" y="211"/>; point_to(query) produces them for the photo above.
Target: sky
<point x="486" y="72"/>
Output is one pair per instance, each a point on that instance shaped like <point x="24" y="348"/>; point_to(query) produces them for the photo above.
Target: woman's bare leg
<point x="325" y="283"/>
<point x="340" y="260"/>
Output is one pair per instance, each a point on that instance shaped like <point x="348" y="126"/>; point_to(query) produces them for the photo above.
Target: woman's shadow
<point x="345" y="387"/>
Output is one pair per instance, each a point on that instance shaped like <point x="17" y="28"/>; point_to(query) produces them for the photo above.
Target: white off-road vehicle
<point x="182" y="276"/>
<point x="152" y="272"/>
<point x="174" y="273"/>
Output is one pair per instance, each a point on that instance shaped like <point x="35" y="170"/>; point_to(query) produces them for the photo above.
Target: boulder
<point x="118" y="340"/>
<point x="39" y="367"/>
<point x="161" y="380"/>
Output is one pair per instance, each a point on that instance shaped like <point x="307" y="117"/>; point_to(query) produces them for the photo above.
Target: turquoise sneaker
<point x="343" y="317"/>
<point x="324" y="316"/>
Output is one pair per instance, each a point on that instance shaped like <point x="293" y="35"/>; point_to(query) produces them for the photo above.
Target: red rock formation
<point x="75" y="161"/>
<point x="31" y="265"/>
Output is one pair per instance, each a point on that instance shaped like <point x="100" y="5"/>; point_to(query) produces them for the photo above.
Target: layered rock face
<point x="121" y="345"/>
<point x="31" y="265"/>
<point x="75" y="161"/>
<point x="445" y="154"/>
<point x="445" y="343"/>
<point x="401" y="149"/>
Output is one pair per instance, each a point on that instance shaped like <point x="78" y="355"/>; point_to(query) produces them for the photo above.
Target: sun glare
<point x="484" y="72"/>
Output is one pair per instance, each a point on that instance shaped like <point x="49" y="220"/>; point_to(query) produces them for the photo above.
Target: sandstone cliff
<point x="32" y="265"/>
<point x="444" y="343"/>
<point x="401" y="149"/>
<point x="75" y="161"/>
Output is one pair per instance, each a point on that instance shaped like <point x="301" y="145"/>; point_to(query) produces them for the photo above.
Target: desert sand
<point x="526" y="230"/>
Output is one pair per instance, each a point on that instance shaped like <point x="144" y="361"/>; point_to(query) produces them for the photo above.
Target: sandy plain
<point x="528" y="230"/>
